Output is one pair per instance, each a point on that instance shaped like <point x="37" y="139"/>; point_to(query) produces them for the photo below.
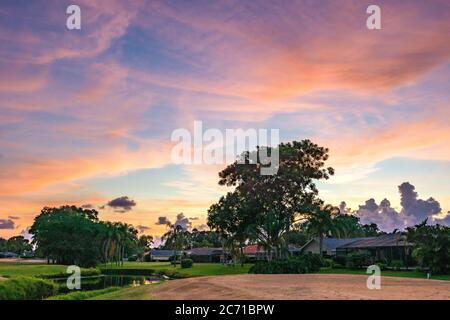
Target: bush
<point x="357" y="259"/>
<point x="396" y="264"/>
<point x="27" y="289"/>
<point x="381" y="265"/>
<point x="187" y="263"/>
<point x="328" y="263"/>
<point x="147" y="258"/>
<point x="132" y="258"/>
<point x="301" y="264"/>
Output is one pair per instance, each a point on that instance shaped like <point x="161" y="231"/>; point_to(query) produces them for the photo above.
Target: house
<point x="206" y="254"/>
<point x="162" y="255"/>
<point x="387" y="247"/>
<point x="329" y="245"/>
<point x="8" y="255"/>
<point x="250" y="252"/>
<point x="256" y="252"/>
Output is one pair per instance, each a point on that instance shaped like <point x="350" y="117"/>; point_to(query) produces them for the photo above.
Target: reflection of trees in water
<point x="96" y="283"/>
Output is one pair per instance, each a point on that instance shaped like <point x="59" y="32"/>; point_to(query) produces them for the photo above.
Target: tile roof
<point x="162" y="253"/>
<point x="386" y="240"/>
<point x="251" y="249"/>
<point x="333" y="243"/>
<point x="205" y="251"/>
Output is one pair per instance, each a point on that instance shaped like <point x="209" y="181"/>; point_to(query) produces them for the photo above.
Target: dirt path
<point x="299" y="287"/>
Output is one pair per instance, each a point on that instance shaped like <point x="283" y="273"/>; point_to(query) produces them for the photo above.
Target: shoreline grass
<point x="85" y="295"/>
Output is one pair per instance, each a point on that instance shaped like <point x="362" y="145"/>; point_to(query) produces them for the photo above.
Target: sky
<point x="86" y="116"/>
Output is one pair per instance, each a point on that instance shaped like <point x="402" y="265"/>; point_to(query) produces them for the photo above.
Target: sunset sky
<point x="86" y="115"/>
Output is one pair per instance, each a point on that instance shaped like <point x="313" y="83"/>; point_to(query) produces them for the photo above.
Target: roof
<point x="386" y="240"/>
<point x="254" y="249"/>
<point x="333" y="243"/>
<point x="205" y="251"/>
<point x="251" y="249"/>
<point x="162" y="253"/>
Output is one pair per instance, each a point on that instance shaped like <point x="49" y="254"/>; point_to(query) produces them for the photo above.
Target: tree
<point x="264" y="207"/>
<point x="18" y="244"/>
<point x="177" y="239"/>
<point x="232" y="222"/>
<point x="67" y="235"/>
<point x="371" y="230"/>
<point x="72" y="235"/>
<point x="145" y="242"/>
<point x="431" y="246"/>
<point x="321" y="223"/>
<point x="200" y="239"/>
<point x="3" y="245"/>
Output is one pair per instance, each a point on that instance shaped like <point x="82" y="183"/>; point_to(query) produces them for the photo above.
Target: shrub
<point x="301" y="264"/>
<point x="381" y="265"/>
<point x="186" y="263"/>
<point x="22" y="288"/>
<point x="396" y="264"/>
<point x="147" y="258"/>
<point x="328" y="263"/>
<point x="357" y="259"/>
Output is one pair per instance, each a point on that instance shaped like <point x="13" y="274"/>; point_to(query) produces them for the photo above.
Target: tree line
<point x="73" y="235"/>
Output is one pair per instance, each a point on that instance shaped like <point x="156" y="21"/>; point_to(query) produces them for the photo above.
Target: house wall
<point x="160" y="258"/>
<point x="313" y="247"/>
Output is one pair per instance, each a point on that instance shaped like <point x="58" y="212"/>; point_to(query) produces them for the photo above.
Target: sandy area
<point x="300" y="287"/>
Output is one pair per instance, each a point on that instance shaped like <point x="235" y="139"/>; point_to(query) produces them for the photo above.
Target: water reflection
<point x="105" y="281"/>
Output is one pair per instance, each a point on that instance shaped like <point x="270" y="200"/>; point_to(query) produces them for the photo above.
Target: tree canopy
<point x="263" y="208"/>
<point x="73" y="235"/>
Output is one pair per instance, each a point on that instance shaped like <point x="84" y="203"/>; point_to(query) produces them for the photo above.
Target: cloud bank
<point x="414" y="211"/>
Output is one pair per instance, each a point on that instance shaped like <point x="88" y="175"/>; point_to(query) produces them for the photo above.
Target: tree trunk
<point x="321" y="244"/>
<point x="242" y="256"/>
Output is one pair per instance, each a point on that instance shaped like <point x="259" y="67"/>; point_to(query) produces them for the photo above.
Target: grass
<point x="23" y="269"/>
<point x="197" y="270"/>
<point x="85" y="295"/>
<point x="387" y="273"/>
<point x="130" y="293"/>
<point x="11" y="269"/>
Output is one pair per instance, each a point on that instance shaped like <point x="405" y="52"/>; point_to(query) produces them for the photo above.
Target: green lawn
<point x="387" y="273"/>
<point x="198" y="269"/>
<point x="21" y="269"/>
<point x="32" y="269"/>
<point x="133" y="293"/>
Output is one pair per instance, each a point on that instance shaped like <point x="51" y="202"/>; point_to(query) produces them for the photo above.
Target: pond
<point x="105" y="281"/>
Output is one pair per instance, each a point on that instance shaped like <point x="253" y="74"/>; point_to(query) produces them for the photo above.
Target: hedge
<point x="25" y="288"/>
<point x="187" y="263"/>
<point x="301" y="264"/>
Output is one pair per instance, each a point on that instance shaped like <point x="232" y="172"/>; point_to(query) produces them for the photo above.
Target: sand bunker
<point x="299" y="287"/>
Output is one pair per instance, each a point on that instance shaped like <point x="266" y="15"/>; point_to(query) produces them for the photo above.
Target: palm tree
<point x="321" y="223"/>
<point x="176" y="238"/>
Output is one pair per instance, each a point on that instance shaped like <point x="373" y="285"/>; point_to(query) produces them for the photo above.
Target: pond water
<point x="105" y="281"/>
